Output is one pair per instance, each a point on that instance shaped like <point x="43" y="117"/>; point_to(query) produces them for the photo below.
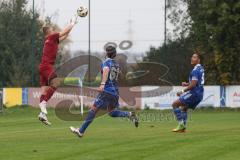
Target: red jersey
<point x="50" y="49"/>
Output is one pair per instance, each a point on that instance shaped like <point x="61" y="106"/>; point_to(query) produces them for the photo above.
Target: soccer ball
<point x="82" y="11"/>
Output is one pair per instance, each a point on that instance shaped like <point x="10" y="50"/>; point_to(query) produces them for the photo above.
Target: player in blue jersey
<point x="191" y="96"/>
<point x="108" y="96"/>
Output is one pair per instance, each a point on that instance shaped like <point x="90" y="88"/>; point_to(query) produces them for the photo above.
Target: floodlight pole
<point x="89" y="41"/>
<point x="33" y="40"/>
<point x="165" y="23"/>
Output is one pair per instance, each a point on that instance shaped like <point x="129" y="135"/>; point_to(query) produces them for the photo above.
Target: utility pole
<point x="33" y="41"/>
<point x="89" y="41"/>
<point x="130" y="28"/>
<point x="165" y="23"/>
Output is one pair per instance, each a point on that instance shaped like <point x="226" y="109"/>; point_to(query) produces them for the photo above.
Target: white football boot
<point x="43" y="114"/>
<point x="76" y="131"/>
<point x="43" y="118"/>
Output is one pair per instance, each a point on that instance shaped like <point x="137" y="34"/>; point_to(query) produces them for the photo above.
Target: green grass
<point x="211" y="135"/>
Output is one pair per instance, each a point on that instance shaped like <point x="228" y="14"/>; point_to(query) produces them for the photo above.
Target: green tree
<point x="176" y="55"/>
<point x="215" y="27"/>
<point x="15" y="44"/>
<point x="212" y="27"/>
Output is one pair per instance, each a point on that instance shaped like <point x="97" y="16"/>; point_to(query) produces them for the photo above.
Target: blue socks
<point x="181" y="115"/>
<point x="178" y="114"/>
<point x="88" y="120"/>
<point x="184" y="117"/>
<point x="118" y="113"/>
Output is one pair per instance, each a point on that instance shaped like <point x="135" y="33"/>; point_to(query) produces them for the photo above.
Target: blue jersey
<point x="197" y="74"/>
<point x="111" y="85"/>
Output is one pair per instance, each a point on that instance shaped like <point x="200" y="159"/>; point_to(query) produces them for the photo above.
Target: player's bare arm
<point x="69" y="28"/>
<point x="189" y="87"/>
<point x="63" y="38"/>
<point x="104" y="78"/>
<point x="66" y="31"/>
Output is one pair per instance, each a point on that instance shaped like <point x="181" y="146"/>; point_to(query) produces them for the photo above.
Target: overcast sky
<point x="110" y="22"/>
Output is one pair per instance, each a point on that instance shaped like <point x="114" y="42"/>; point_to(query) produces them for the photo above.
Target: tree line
<point x="19" y="58"/>
<point x="211" y="27"/>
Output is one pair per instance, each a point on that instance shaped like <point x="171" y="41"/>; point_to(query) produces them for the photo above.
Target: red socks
<point x="49" y="94"/>
<point x="42" y="98"/>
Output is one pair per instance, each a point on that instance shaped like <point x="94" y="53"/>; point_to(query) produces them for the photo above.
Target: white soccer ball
<point x="82" y="11"/>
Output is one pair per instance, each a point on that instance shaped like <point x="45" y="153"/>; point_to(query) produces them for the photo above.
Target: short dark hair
<point x="111" y="52"/>
<point x="200" y="56"/>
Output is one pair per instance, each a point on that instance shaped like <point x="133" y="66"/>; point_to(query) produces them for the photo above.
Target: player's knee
<point x="184" y="108"/>
<point x="174" y="105"/>
<point x="177" y="104"/>
<point x="56" y="82"/>
<point x="44" y="90"/>
<point x="94" y="109"/>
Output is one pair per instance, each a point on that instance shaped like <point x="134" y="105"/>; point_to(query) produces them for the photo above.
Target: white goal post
<point x="1" y="100"/>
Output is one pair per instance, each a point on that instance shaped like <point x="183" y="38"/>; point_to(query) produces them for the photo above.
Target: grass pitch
<point x="211" y="135"/>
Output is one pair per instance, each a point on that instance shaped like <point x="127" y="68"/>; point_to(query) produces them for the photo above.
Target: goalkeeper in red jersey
<point x="48" y="78"/>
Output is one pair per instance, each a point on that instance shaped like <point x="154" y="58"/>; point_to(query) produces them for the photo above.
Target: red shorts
<point x="47" y="73"/>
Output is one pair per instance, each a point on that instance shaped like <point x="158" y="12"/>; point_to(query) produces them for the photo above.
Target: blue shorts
<point x="105" y="100"/>
<point x="190" y="100"/>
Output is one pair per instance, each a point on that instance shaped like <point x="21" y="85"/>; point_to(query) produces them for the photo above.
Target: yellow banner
<point x="12" y="97"/>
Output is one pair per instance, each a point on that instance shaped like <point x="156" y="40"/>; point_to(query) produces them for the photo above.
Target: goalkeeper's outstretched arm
<point x="68" y="29"/>
<point x="63" y="38"/>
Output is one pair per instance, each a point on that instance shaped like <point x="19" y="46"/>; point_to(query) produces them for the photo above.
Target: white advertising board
<point x="164" y="101"/>
<point x="233" y="96"/>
